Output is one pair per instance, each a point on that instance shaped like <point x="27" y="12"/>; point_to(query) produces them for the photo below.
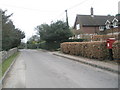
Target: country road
<point x="41" y="69"/>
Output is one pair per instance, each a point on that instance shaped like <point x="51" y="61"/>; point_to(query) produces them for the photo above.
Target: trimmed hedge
<point x="96" y="49"/>
<point x="116" y="50"/>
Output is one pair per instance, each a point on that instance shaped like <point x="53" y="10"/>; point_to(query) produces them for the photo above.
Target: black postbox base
<point x="110" y="54"/>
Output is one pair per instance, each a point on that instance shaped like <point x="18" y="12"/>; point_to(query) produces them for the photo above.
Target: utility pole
<point x="67" y="18"/>
<point x="0" y="45"/>
<point x="0" y="29"/>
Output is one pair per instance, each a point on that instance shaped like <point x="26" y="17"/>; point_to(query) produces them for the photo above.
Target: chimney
<point x="92" y="12"/>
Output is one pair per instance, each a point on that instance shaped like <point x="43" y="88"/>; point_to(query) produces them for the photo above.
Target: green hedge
<point x="49" y="45"/>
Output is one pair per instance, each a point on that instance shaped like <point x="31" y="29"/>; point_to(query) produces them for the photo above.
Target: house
<point x="87" y="25"/>
<point x="112" y="26"/>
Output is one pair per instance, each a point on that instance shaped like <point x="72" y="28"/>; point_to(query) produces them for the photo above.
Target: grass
<point x="6" y="63"/>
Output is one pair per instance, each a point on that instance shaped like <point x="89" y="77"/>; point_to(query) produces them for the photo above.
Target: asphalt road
<point x="41" y="69"/>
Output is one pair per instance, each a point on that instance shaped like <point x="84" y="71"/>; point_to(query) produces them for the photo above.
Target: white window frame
<point x="78" y="36"/>
<point x="101" y="28"/>
<point x="77" y="26"/>
<point x="107" y="26"/>
<point x="115" y="23"/>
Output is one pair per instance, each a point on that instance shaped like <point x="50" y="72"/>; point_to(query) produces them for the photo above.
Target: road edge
<point x="3" y="77"/>
<point x="91" y="64"/>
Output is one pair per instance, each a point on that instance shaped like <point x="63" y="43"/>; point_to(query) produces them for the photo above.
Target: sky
<point x="27" y="14"/>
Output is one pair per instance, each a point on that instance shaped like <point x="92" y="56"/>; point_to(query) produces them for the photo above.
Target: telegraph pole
<point x="0" y="30"/>
<point x="67" y="18"/>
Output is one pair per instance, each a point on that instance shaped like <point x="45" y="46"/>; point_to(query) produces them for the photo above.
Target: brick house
<point x="112" y="26"/>
<point x="87" y="25"/>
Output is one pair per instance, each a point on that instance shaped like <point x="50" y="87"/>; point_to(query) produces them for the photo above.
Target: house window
<point x="78" y="26"/>
<point x="101" y="28"/>
<point x="115" y="24"/>
<point x="78" y="36"/>
<point x="108" y="26"/>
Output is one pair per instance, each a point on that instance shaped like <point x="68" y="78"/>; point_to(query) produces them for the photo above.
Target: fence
<point x="5" y="54"/>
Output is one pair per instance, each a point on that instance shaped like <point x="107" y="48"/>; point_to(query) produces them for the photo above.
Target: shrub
<point x="116" y="50"/>
<point x="96" y="49"/>
<point x="50" y="45"/>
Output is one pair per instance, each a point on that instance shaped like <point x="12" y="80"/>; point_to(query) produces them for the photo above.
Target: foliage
<point x="49" y="45"/>
<point x="7" y="62"/>
<point x="33" y="42"/>
<point x="11" y="36"/>
<point x="22" y="45"/>
<point x="94" y="50"/>
<point x="56" y="31"/>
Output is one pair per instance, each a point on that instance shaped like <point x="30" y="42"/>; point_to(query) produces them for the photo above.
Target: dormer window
<point x="115" y="23"/>
<point x="108" y="26"/>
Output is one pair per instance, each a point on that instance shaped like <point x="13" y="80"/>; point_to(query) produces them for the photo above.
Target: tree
<point x="55" y="32"/>
<point x="11" y="36"/>
<point x="33" y="42"/>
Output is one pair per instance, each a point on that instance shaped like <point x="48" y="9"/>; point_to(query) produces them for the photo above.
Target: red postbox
<point x="110" y="42"/>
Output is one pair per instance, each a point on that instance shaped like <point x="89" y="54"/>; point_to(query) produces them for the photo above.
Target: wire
<point x="77" y="5"/>
<point x="31" y="9"/>
<point x="73" y="7"/>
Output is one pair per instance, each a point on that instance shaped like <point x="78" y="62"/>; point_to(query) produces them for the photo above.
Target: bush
<point x="116" y="50"/>
<point x="53" y="46"/>
<point x="49" y="45"/>
<point x="95" y="50"/>
<point x="31" y="46"/>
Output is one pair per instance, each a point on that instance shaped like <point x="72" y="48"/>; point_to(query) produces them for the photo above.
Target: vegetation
<point x="6" y="63"/>
<point x="22" y="45"/>
<point x="33" y="42"/>
<point x="50" y="36"/>
<point x="11" y="36"/>
<point x="52" y="46"/>
<point x="55" y="32"/>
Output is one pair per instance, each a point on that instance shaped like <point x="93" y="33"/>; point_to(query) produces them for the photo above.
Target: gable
<point x="115" y="20"/>
<point x="107" y="22"/>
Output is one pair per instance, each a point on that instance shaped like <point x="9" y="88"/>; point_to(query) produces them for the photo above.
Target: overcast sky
<point x="30" y="13"/>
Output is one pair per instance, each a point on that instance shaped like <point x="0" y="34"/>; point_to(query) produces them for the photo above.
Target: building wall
<point x="85" y="32"/>
<point x="90" y="30"/>
<point x="110" y="31"/>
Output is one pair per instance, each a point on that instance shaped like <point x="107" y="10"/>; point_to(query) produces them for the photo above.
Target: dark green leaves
<point x="57" y="31"/>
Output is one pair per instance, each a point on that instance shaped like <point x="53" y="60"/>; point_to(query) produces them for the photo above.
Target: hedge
<point x="116" y="50"/>
<point x="96" y="49"/>
<point x="52" y="46"/>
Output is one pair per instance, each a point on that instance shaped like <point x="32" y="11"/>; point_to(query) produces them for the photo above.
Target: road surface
<point x="41" y="69"/>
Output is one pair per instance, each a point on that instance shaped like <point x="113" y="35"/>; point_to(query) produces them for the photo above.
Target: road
<point x="41" y="69"/>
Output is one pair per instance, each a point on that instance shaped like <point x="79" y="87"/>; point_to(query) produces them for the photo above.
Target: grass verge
<point x="6" y="63"/>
